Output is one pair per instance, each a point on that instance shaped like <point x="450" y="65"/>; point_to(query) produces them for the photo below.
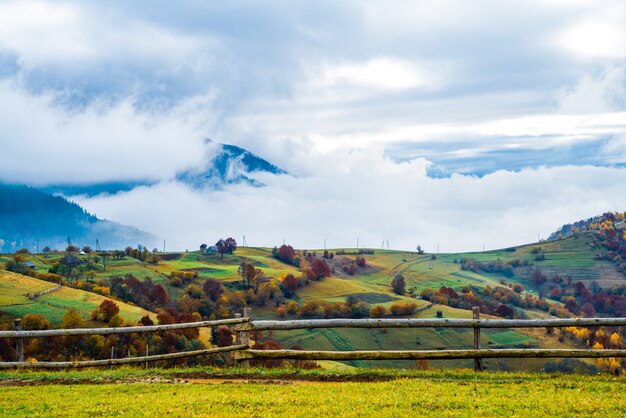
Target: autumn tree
<point x="504" y="311"/>
<point x="72" y="319"/>
<point x="107" y="310"/>
<point x="286" y="253"/>
<point x="377" y="311"/>
<point x="320" y="268"/>
<point x="213" y="289"/>
<point x="398" y="284"/>
<point x="226" y="246"/>
<point x="223" y="336"/>
<point x="290" y="284"/>
<point x="34" y="322"/>
<point x="250" y="276"/>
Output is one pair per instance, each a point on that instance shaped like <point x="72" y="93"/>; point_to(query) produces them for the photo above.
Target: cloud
<point x="603" y="93"/>
<point x="43" y="143"/>
<point x="615" y="148"/>
<point x="74" y="34"/>
<point x="327" y="90"/>
<point x="381" y="73"/>
<point x="364" y="195"/>
<point x="598" y="33"/>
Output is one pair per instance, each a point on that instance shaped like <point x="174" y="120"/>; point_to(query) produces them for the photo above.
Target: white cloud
<point x="615" y="148"/>
<point x="42" y="143"/>
<point x="361" y="194"/>
<point x="604" y="93"/>
<point x="604" y="38"/>
<point x="381" y="73"/>
<point x="319" y="90"/>
<point x="76" y="35"/>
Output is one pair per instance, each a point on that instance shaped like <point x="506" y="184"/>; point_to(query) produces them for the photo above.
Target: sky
<point x="450" y="124"/>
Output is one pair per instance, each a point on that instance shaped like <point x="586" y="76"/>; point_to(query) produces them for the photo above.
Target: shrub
<point x="378" y="311"/>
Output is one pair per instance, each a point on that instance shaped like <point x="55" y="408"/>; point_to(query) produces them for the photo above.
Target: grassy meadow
<point x="236" y="393"/>
<point x="14" y="302"/>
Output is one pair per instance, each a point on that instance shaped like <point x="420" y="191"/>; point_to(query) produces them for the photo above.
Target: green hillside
<point x="14" y="302"/>
<point x="574" y="256"/>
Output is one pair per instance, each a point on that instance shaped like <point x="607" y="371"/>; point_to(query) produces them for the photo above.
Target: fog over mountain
<point x="435" y="122"/>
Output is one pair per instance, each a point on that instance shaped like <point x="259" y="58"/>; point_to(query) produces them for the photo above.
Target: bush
<point x="378" y="311"/>
<point x="403" y="308"/>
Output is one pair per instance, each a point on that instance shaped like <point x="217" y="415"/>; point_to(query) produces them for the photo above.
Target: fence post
<point x="244" y="338"/>
<point x="478" y="363"/>
<point x="19" y="346"/>
<point x="148" y="347"/>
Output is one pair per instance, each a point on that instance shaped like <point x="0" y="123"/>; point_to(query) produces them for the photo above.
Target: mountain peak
<point x="230" y="164"/>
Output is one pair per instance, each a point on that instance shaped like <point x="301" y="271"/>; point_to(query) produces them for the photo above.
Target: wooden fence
<point x="244" y="325"/>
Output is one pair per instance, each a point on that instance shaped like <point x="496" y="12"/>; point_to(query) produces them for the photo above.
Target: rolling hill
<point x="14" y="301"/>
<point x="574" y="257"/>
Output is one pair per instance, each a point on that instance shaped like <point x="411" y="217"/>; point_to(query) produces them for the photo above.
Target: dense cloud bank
<point x="450" y="122"/>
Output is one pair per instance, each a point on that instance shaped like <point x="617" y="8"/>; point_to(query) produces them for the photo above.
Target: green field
<point x="14" y="303"/>
<point x="290" y="392"/>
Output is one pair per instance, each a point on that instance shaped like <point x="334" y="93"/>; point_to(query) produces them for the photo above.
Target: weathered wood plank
<point x="430" y="323"/>
<point x="428" y="354"/>
<point x="478" y="364"/>
<point x="118" y="330"/>
<point x="243" y="338"/>
<point x="118" y="361"/>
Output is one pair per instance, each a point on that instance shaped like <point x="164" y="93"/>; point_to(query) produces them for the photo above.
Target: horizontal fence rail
<point x="119" y="330"/>
<point x="427" y="354"/>
<point x="119" y="361"/>
<point x="433" y="323"/>
<point x="242" y="352"/>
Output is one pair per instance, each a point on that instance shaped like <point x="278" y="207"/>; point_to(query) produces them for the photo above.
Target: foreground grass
<point x="383" y="393"/>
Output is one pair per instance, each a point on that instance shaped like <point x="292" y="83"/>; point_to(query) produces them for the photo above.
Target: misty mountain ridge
<point x="29" y="216"/>
<point x="228" y="165"/>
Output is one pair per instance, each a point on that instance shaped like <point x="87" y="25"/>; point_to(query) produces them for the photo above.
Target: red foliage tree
<point x="291" y="282"/>
<point x="224" y="337"/>
<point x="286" y="253"/>
<point x="108" y="309"/>
<point x="213" y="289"/>
<point x="146" y="321"/>
<point x="504" y="311"/>
<point x="320" y="268"/>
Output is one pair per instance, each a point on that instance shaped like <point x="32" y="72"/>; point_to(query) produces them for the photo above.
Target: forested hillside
<point x="28" y="215"/>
